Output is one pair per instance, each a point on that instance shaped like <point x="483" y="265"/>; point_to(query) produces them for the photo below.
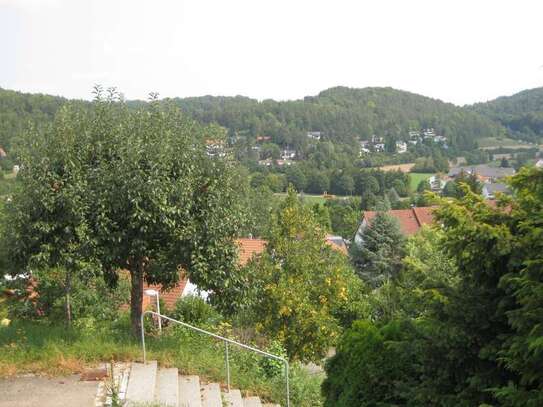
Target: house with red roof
<point x="248" y="248"/>
<point x="410" y="220"/>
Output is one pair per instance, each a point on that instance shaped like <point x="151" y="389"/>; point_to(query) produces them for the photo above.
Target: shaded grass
<point x="36" y="347"/>
<point x="416" y="178"/>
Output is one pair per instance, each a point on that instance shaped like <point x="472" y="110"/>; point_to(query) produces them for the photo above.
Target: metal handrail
<point x="225" y="340"/>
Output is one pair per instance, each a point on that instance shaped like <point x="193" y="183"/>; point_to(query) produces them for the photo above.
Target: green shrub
<point x="196" y="311"/>
<point x="374" y="366"/>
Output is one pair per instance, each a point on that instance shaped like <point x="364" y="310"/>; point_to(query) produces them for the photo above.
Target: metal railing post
<point x="226" y="341"/>
<point x="287" y="384"/>
<point x="227" y="366"/>
<point x="143" y="338"/>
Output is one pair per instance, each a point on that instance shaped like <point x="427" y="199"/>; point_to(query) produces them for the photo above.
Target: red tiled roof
<point x="410" y="220"/>
<point x="248" y="248"/>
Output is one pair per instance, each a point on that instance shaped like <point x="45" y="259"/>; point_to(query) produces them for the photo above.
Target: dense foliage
<point x="343" y="115"/>
<point x="460" y="332"/>
<point x="300" y="287"/>
<point x="521" y="114"/>
<point x="109" y="188"/>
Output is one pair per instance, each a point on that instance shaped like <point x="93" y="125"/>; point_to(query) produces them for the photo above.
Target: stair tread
<point x="189" y="391"/>
<point x="270" y="405"/>
<point x="142" y="381"/>
<point x="233" y="398"/>
<point x="167" y="387"/>
<point x="211" y="395"/>
<point x="252" y="402"/>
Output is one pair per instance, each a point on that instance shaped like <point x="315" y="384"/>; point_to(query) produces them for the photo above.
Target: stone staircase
<point x="149" y="385"/>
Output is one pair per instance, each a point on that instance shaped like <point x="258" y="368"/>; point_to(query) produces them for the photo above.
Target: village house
<point x="401" y="147"/>
<point x="314" y="135"/>
<point x="410" y="220"/>
<point x="2" y="153"/>
<point x="484" y="173"/>
<point x="490" y="190"/>
<point x="288" y="154"/>
<point x="248" y="248"/>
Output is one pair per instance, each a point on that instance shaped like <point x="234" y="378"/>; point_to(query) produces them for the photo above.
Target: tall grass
<point x="55" y="350"/>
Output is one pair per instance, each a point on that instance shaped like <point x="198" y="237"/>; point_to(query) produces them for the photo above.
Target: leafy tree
<point x="322" y="216"/>
<point x="379" y="251"/>
<point x="113" y="188"/>
<point x="298" y="314"/>
<point x="344" y="216"/>
<point x="345" y="184"/>
<point x="296" y="177"/>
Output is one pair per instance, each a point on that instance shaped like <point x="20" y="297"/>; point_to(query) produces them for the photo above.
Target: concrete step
<point x="142" y="382"/>
<point x="211" y="395"/>
<point x="167" y="387"/>
<point x="270" y="405"/>
<point x="252" y="402"/>
<point x="233" y="398"/>
<point x="189" y="391"/>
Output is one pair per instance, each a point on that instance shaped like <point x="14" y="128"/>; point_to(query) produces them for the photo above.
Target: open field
<point x="416" y="178"/>
<point x="312" y="199"/>
<point x="489" y="143"/>
<point x="395" y="167"/>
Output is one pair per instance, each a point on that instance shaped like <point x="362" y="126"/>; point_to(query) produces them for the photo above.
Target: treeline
<point x="314" y="181"/>
<point x="19" y="110"/>
<point x="343" y="115"/>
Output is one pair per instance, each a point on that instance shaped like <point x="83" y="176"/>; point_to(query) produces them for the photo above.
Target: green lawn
<point x="493" y="142"/>
<point x="416" y="178"/>
<point x="52" y="349"/>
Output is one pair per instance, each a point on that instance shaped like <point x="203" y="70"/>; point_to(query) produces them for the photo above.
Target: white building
<point x="401" y="147"/>
<point x="288" y="154"/>
<point x="314" y="135"/>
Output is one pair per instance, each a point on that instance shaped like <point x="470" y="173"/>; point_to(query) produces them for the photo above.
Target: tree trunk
<point x="67" y="298"/>
<point x="136" y="297"/>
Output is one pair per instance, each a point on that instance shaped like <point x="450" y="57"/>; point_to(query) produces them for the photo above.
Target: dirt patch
<point x="396" y="167"/>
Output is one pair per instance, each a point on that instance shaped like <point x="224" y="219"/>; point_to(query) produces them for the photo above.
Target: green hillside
<point x="521" y="114"/>
<point x="343" y="115"/>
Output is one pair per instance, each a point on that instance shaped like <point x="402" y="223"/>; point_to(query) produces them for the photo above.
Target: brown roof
<point x="410" y="220"/>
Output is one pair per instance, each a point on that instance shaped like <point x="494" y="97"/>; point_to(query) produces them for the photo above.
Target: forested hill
<point x="344" y="114"/>
<point x="18" y="109"/>
<point x="521" y="114"/>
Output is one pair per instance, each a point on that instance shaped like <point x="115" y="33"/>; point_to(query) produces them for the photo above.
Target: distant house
<point x="401" y="147"/>
<point x="539" y="163"/>
<point x="2" y="153"/>
<point x="215" y="148"/>
<point x="282" y="163"/>
<point x="288" y="154"/>
<point x="437" y="183"/>
<point x="410" y="220"/>
<point x="247" y="249"/>
<point x="261" y="139"/>
<point x="490" y="190"/>
<point x="314" y="135"/>
<point x="483" y="172"/>
<point x="379" y="147"/>
<point x="266" y="163"/>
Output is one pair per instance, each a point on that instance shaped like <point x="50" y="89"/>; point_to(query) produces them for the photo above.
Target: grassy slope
<point x="416" y="178"/>
<point x="54" y="350"/>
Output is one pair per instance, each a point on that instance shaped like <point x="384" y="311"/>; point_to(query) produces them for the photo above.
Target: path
<point x="35" y="391"/>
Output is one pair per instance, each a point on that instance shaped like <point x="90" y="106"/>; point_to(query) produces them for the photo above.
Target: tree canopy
<point x="117" y="188"/>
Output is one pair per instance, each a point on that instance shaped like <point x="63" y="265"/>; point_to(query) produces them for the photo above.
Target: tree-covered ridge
<point x="521" y="114"/>
<point x="18" y="110"/>
<point x="343" y="115"/>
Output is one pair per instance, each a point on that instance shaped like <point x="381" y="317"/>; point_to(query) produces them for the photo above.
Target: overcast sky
<point x="455" y="50"/>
